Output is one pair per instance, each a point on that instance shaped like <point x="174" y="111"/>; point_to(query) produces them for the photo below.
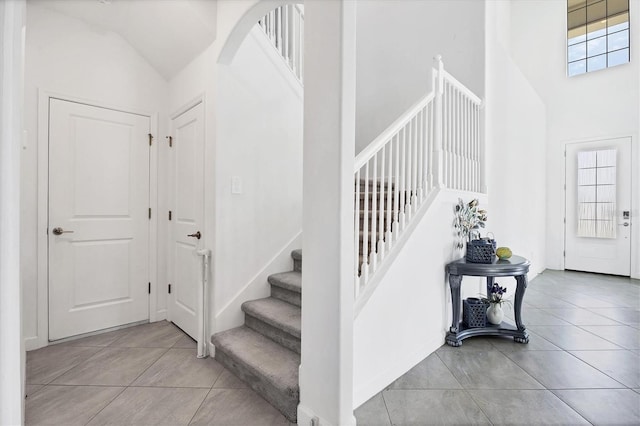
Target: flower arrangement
<point x="468" y="221"/>
<point x="496" y="295"/>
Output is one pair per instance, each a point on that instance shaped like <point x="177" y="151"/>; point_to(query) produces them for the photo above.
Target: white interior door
<point x="187" y="189"/>
<point x="598" y="206"/>
<point x="98" y="218"/>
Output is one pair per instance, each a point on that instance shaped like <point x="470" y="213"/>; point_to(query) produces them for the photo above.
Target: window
<point x="597" y="34"/>
<point x="597" y="194"/>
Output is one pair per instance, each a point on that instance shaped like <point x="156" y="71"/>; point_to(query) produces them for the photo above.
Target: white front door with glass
<point x="598" y="206"/>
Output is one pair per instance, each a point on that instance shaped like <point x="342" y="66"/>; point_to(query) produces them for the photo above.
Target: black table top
<point x="514" y="266"/>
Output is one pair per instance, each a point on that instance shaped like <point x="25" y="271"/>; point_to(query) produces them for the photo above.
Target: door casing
<point x="635" y="197"/>
<point x="42" y="326"/>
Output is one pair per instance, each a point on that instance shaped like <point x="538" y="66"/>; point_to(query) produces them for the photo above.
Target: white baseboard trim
<point x="306" y="417"/>
<point x="32" y="343"/>
<point x="365" y="391"/>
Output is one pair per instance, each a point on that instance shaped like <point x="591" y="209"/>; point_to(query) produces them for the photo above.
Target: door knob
<point x="60" y="231"/>
<point x="196" y="235"/>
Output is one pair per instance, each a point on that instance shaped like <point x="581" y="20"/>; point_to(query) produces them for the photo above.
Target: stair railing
<point x="284" y="27"/>
<point x="436" y="143"/>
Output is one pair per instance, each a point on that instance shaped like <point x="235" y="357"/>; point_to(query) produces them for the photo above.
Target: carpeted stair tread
<point x="291" y="281"/>
<point x="275" y="312"/>
<point x="263" y="357"/>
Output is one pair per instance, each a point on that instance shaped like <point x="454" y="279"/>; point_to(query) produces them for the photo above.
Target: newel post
<point x="438" y="154"/>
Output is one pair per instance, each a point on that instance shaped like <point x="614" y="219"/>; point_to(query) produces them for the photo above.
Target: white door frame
<point x="635" y="195"/>
<point x="42" y="337"/>
<point x="200" y="99"/>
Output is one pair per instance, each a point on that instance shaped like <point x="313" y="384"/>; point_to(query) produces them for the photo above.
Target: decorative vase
<point x="495" y="313"/>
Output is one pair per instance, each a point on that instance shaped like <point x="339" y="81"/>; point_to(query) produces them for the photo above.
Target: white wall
<point x="396" y="44"/>
<point x="259" y="132"/>
<point x="515" y="134"/>
<point x="12" y="356"/>
<point x="591" y="106"/>
<point x="408" y="315"/>
<point x="67" y="57"/>
<point x="254" y="132"/>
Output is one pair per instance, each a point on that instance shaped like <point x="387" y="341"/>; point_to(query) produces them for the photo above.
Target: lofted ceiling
<point x="167" y="33"/>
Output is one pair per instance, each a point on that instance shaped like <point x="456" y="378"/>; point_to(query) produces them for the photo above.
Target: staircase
<point x="265" y="351"/>
<point x="384" y="209"/>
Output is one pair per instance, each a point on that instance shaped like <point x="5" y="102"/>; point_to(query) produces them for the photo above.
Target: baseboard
<point x="161" y="314"/>
<point x="393" y="370"/>
<point x="32" y="343"/>
<point x="306" y="417"/>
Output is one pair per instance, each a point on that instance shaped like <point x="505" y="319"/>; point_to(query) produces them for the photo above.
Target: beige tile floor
<point x="581" y="366"/>
<point x="143" y="375"/>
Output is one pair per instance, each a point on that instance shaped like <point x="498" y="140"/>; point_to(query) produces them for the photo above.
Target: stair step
<point x="267" y="367"/>
<point x="275" y="319"/>
<point x="287" y="286"/>
<point x="377" y="184"/>
<point x="296" y="255"/>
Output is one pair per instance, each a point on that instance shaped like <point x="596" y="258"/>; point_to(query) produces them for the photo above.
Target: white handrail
<point x="436" y="143"/>
<point x="390" y="131"/>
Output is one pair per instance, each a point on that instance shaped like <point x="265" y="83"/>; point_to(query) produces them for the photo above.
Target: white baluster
<point x="356" y="227"/>
<point x="381" y="207"/>
<point x="374" y="213"/>
<point x="365" y="226"/>
<point x="403" y="176"/>
<point x="389" y="193"/>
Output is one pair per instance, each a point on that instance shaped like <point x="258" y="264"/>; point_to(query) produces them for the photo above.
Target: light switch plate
<point x="236" y="185"/>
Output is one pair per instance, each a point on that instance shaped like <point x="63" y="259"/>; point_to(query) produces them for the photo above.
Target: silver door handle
<point x="60" y="231"/>
<point x="625" y="224"/>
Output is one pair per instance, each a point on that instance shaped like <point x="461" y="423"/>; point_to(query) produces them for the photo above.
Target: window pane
<point x="596" y="47"/>
<point x="606" y="157"/>
<point x="606" y="175"/>
<point x="578" y="67"/>
<point x="587" y="159"/>
<point x="575" y="4"/>
<point x="587" y="211"/>
<point x="615" y="7"/>
<point x="597" y="63"/>
<point x="618" y="57"/>
<point x="618" y="40"/>
<point x="577" y="51"/>
<point x="596" y="29"/>
<point x="587" y="194"/>
<point x="587" y="176"/>
<point x="577" y="18"/>
<point x="577" y="35"/>
<point x="618" y="22"/>
<point x="597" y="11"/>
<point x="606" y="193"/>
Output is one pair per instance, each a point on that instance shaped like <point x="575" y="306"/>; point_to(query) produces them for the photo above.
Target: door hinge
<point x="149" y="212"/>
<point x="169" y="214"/>
<point x="150" y="139"/>
<point x="169" y="288"/>
<point x="170" y="138"/>
<point x="564" y="254"/>
<point x="149" y="288"/>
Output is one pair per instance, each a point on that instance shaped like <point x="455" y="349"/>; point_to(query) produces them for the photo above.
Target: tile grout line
<point x="106" y="405"/>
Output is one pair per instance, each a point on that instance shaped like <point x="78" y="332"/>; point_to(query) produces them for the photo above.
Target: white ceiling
<point x="167" y="33"/>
